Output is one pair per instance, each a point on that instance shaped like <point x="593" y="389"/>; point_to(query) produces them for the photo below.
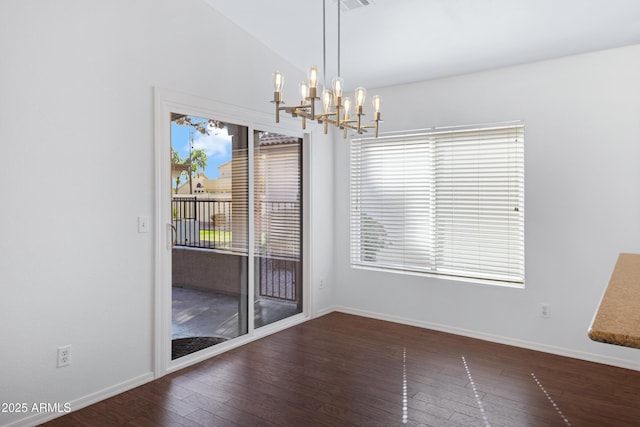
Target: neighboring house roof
<point x="270" y="138"/>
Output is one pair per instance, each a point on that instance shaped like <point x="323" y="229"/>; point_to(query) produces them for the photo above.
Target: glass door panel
<point x="209" y="210"/>
<point x="278" y="226"/>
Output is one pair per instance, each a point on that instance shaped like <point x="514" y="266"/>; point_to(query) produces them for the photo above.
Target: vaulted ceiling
<point x="389" y="42"/>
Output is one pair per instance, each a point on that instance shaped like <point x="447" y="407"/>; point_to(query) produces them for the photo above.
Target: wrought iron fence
<point x="278" y="277"/>
<point x="202" y="223"/>
<point x="206" y="223"/>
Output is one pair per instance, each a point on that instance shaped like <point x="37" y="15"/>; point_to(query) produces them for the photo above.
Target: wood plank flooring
<point x="342" y="370"/>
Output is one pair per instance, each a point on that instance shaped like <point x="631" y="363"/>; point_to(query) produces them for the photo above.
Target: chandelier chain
<point x="338" y="37"/>
<point x="324" y="43"/>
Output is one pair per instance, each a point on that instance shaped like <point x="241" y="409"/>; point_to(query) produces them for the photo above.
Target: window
<point x="448" y="202"/>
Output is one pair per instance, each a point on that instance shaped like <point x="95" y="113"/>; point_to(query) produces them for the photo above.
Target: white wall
<point x="582" y="207"/>
<point x="76" y="130"/>
<point x="321" y="214"/>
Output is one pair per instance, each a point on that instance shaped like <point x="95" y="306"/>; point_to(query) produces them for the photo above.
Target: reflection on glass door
<point x="278" y="224"/>
<point x="209" y="210"/>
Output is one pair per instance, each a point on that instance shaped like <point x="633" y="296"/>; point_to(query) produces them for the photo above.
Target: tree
<point x="198" y="161"/>
<point x="198" y="158"/>
<point x="175" y="157"/>
<point x="177" y="160"/>
<point x="201" y="125"/>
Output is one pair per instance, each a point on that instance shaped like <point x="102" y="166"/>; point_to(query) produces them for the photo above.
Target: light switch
<point x="143" y="224"/>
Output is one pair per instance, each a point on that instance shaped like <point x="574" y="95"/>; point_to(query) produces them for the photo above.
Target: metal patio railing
<point x="207" y="224"/>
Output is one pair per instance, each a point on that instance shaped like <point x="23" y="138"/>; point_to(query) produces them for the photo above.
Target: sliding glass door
<point x="210" y="217"/>
<point x="277" y="182"/>
<point x="211" y="298"/>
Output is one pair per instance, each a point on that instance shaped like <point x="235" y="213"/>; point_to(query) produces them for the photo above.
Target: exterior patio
<point x="208" y="300"/>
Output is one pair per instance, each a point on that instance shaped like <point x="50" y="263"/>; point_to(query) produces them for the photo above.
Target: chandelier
<point x="336" y="109"/>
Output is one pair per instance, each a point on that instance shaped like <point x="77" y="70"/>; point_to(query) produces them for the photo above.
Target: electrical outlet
<point x="545" y="310"/>
<point x="321" y="285"/>
<point x="64" y="356"/>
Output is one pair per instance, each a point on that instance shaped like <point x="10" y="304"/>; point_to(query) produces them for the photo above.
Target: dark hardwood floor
<point x="341" y="370"/>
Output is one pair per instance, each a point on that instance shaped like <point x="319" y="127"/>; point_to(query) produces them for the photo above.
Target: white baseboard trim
<point x="90" y="399"/>
<point x="560" y="351"/>
<point x="326" y="310"/>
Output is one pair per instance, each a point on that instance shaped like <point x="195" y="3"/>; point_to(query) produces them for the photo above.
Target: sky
<point x="216" y="145"/>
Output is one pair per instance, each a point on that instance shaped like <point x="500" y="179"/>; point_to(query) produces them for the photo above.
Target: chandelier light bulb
<point x="313" y="76"/>
<point x="278" y="81"/>
<point x="347" y="107"/>
<point x="327" y="97"/>
<point x="377" y="102"/>
<point x="304" y="91"/>
<point x="361" y="94"/>
<point x="338" y="84"/>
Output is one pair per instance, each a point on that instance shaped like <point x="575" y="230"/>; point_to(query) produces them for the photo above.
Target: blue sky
<point x="216" y="145"/>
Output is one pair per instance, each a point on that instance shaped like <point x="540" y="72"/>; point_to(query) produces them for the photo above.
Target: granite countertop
<point x="617" y="320"/>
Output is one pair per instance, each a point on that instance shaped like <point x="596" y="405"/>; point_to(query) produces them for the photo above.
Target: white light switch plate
<point x="143" y="224"/>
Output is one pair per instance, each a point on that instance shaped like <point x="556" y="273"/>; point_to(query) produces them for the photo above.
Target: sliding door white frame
<point x="166" y="102"/>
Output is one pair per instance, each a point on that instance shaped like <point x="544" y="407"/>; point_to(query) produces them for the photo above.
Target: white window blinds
<point x="277" y="184"/>
<point x="447" y="202"/>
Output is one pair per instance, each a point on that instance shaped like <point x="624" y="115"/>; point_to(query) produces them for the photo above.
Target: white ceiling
<point x="400" y="41"/>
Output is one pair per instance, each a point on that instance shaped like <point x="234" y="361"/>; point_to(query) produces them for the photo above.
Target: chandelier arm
<point x="295" y="107"/>
<point x="296" y="110"/>
<point x="374" y="126"/>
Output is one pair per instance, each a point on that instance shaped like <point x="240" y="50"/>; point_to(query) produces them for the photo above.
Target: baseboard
<point x="560" y="351"/>
<point x="326" y="310"/>
<point x="37" y="419"/>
